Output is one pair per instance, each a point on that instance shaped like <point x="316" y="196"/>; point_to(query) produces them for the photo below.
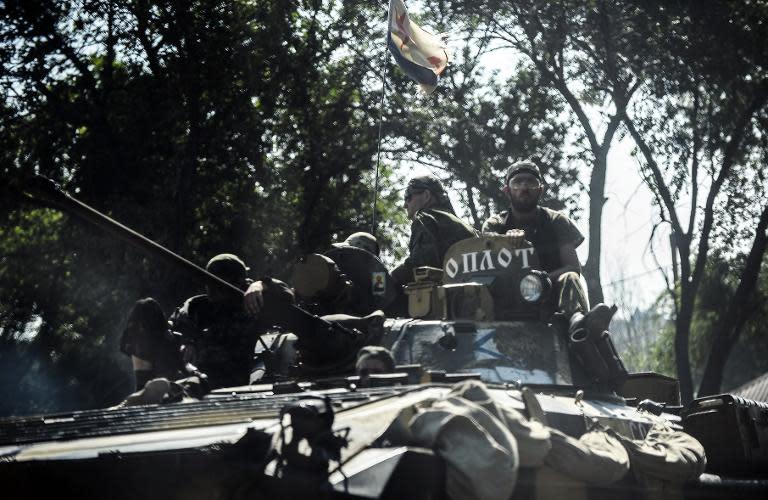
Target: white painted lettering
<point x="524" y="252"/>
<point x="470" y="258"/>
<point x="505" y="257"/>
<point x="487" y="261"/>
<point x="451" y="268"/>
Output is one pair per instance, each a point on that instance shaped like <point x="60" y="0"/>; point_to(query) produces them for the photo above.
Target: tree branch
<point x="663" y="189"/>
<point x="756" y="103"/>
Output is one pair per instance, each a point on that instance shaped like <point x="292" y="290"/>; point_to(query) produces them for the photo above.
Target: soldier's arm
<point x="266" y="291"/>
<point x="424" y="249"/>
<point x="253" y="300"/>
<point x="569" y="237"/>
<point x="495" y="224"/>
<point x="569" y="259"/>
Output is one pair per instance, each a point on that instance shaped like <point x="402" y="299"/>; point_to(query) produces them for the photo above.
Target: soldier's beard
<point x="525" y="205"/>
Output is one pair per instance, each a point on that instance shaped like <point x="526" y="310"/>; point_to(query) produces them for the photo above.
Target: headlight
<point x="531" y="288"/>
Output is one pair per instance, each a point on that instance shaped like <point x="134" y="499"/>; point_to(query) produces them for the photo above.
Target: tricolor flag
<point x="421" y="55"/>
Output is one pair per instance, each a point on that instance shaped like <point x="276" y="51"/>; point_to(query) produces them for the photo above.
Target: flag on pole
<point x="421" y="55"/>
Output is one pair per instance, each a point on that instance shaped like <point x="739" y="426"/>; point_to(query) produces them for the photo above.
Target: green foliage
<point x="750" y="357"/>
<point x="251" y="127"/>
<point x="53" y="354"/>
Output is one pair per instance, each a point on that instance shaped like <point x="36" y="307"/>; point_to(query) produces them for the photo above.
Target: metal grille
<point x="216" y="411"/>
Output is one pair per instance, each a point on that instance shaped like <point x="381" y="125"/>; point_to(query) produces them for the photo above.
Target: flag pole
<point x="378" y="146"/>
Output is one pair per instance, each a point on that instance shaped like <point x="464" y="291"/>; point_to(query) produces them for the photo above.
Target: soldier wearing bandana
<point x="434" y="226"/>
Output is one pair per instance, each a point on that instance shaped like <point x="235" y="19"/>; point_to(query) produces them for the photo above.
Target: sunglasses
<point x="525" y="182"/>
<point x="411" y="194"/>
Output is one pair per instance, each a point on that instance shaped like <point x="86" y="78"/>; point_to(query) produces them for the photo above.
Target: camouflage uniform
<point x="548" y="231"/>
<point x="433" y="231"/>
<point x="222" y="338"/>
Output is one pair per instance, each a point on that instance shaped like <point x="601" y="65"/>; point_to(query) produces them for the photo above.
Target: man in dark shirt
<point x="553" y="235"/>
<point x="434" y="229"/>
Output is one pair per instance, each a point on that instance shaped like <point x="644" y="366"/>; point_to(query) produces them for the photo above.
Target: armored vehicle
<point x="492" y="396"/>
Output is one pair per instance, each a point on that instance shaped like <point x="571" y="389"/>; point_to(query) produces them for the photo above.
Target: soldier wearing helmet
<point x="434" y="228"/>
<point x="363" y="240"/>
<point x="220" y="329"/>
<point x="213" y="332"/>
<point x="553" y="235"/>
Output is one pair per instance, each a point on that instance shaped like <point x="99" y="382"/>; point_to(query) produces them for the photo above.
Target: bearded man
<point x="553" y="235"/>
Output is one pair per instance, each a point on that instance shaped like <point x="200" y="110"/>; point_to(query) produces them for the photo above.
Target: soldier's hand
<point x="188" y="354"/>
<point x="254" y="298"/>
<point x="517" y="236"/>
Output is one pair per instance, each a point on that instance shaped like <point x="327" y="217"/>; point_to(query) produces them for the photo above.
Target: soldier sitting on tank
<point x="434" y="228"/>
<point x="553" y="235"/>
<point x="372" y="285"/>
<point x="212" y="333"/>
<point x="356" y="305"/>
<point x="220" y="330"/>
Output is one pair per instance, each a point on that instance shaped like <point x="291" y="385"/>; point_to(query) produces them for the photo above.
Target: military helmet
<point x="361" y="239"/>
<point x="526" y="166"/>
<point x="227" y="266"/>
<point x="375" y="353"/>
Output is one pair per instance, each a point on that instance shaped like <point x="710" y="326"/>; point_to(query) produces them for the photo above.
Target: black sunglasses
<point x="411" y="194"/>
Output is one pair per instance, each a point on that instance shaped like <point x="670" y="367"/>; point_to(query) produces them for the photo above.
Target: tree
<point x="698" y="131"/>
<point x="475" y="130"/>
<point x="476" y="124"/>
<point x="748" y="356"/>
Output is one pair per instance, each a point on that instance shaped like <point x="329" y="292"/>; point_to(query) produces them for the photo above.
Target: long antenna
<point x="378" y="146"/>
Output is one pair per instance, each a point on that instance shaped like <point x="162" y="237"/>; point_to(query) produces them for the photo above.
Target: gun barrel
<point x="64" y="201"/>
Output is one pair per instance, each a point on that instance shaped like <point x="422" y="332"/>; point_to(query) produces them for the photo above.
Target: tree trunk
<point x="476" y="222"/>
<point x="683" y="321"/>
<point x="682" y="356"/>
<point x="596" y="204"/>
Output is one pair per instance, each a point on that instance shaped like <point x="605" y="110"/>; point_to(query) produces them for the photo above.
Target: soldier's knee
<point x="572" y="293"/>
<point x="571" y="277"/>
